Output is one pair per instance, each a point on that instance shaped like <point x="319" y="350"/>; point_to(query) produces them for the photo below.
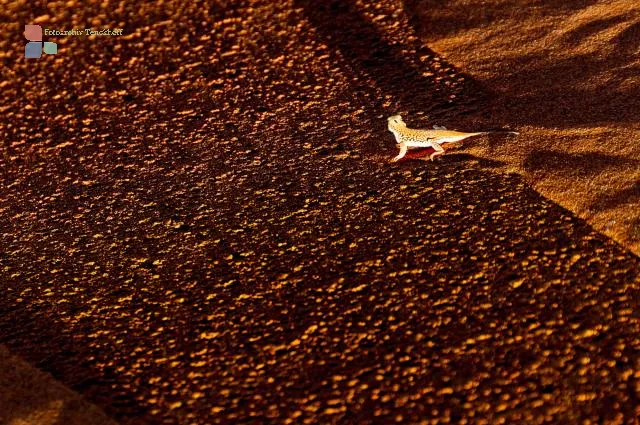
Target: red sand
<point x="566" y="75"/>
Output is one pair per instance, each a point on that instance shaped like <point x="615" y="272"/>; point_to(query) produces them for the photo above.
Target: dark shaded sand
<point x="200" y="225"/>
<point x="567" y="75"/>
<point x="31" y="397"/>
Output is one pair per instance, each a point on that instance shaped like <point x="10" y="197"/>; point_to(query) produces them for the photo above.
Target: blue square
<point x="33" y="49"/>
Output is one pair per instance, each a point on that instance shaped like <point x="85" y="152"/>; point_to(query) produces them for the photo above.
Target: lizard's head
<point x="395" y="122"/>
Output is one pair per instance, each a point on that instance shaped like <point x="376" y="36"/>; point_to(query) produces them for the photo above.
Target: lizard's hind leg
<point x="439" y="150"/>
<point x="403" y="152"/>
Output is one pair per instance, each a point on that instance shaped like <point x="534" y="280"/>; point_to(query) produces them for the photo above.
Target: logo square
<point x="33" y="49"/>
<point x="33" y="32"/>
<point x="50" y="48"/>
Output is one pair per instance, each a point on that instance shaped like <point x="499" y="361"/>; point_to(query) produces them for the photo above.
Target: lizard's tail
<point x="496" y="131"/>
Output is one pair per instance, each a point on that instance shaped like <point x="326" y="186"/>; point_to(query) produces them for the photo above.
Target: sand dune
<point x="567" y="74"/>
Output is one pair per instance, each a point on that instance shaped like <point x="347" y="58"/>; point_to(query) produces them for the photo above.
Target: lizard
<point x="416" y="138"/>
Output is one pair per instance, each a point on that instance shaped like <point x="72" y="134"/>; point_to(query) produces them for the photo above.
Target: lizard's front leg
<point x="439" y="150"/>
<point x="403" y="152"/>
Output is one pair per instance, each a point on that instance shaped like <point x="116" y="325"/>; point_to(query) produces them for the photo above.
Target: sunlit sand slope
<point x="567" y="74"/>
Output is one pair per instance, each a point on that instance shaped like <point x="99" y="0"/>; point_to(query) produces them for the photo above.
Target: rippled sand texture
<point x="567" y="73"/>
<point x="199" y="224"/>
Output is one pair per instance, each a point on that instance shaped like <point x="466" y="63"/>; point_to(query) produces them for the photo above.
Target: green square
<point x="50" y="48"/>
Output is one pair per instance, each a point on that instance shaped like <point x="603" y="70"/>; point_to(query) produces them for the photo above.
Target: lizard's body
<point x="416" y="138"/>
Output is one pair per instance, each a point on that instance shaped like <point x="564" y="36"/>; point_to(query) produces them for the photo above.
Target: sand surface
<point x="31" y="397"/>
<point x="567" y="75"/>
<point x="200" y="224"/>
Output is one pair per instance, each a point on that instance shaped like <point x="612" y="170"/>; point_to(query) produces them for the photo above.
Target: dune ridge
<point x="566" y="74"/>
